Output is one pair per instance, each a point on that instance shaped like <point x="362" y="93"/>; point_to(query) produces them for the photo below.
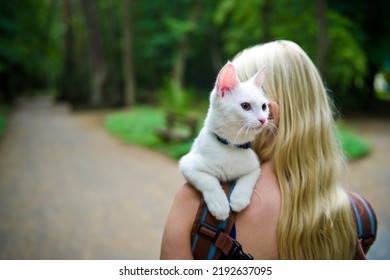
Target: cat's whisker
<point x="238" y="134"/>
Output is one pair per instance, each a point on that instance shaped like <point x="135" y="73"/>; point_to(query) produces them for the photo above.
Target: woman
<point x="298" y="209"/>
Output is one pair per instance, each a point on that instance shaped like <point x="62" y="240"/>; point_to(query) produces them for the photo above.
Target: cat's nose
<point x="262" y="121"/>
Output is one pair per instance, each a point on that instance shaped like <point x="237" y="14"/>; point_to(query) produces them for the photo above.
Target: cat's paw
<point x="217" y="204"/>
<point x="239" y="200"/>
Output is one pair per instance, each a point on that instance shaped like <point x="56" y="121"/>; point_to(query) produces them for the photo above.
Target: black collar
<point x="226" y="142"/>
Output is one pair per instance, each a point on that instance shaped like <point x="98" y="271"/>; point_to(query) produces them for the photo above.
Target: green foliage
<point x="243" y="27"/>
<point x="381" y="85"/>
<point x="302" y="29"/>
<point x="347" y="65"/>
<point x="174" y="99"/>
<point x="139" y="126"/>
<point x="353" y="145"/>
<point x="29" y="44"/>
<point x="240" y="22"/>
<point x="32" y="49"/>
<point x="3" y="120"/>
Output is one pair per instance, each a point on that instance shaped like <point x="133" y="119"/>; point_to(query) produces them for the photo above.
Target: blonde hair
<point x="316" y="220"/>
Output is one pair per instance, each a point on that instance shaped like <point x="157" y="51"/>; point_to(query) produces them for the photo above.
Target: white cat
<point x="221" y="152"/>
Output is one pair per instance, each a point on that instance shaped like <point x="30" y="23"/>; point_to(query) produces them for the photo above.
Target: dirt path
<point x="370" y="177"/>
<point x="70" y="191"/>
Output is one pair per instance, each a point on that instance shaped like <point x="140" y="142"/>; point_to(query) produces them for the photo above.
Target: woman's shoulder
<point x="257" y="224"/>
<point x="176" y="237"/>
<point x="188" y="193"/>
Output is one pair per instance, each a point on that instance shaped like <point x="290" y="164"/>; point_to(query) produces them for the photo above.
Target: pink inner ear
<point x="227" y="79"/>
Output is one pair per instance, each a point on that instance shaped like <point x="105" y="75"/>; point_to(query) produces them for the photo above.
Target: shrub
<point x="353" y="145"/>
<point x="139" y="126"/>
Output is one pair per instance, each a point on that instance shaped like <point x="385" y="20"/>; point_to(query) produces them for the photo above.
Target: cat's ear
<point x="259" y="77"/>
<point x="227" y="79"/>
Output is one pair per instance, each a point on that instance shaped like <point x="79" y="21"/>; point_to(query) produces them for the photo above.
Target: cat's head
<point x="238" y="110"/>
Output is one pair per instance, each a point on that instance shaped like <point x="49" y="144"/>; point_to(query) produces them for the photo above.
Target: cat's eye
<point x="264" y="107"/>
<point x="246" y="106"/>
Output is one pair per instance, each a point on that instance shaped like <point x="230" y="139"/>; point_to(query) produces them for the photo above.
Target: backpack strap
<point x="210" y="238"/>
<point x="366" y="224"/>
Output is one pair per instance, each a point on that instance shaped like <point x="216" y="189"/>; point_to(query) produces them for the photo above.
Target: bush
<point x="139" y="126"/>
<point x="354" y="146"/>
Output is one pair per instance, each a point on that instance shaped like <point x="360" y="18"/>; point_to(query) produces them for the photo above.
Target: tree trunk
<point x="114" y="55"/>
<point x="96" y="51"/>
<point x="266" y="13"/>
<point x="67" y="74"/>
<point x="322" y="36"/>
<point x="215" y="51"/>
<point x="130" y="85"/>
<point x="182" y="53"/>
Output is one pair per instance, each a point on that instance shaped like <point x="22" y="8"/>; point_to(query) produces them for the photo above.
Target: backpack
<point x="212" y="239"/>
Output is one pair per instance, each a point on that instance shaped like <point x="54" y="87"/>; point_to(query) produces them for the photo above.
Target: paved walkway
<point x="70" y="191"/>
<point x="370" y="177"/>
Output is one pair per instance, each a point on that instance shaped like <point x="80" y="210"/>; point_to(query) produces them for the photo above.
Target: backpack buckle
<point x="237" y="253"/>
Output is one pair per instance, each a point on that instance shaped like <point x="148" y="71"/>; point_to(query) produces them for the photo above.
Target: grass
<point x="139" y="126"/>
<point x="353" y="145"/>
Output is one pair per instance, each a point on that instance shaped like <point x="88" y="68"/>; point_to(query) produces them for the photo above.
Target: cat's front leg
<point x="213" y="194"/>
<point x="217" y="203"/>
<point x="212" y="191"/>
<point x="243" y="190"/>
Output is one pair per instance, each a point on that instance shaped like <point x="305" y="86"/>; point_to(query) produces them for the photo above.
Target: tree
<point x="179" y="64"/>
<point x="371" y="30"/>
<point x="322" y="36"/>
<point x="29" y="46"/>
<point x="127" y="48"/>
<point x="266" y="15"/>
<point x="67" y="88"/>
<point x="96" y="51"/>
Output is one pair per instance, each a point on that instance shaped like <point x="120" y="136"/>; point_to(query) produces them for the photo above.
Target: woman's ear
<point x="274" y="112"/>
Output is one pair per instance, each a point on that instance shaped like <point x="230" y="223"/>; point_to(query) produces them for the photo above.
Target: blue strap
<point x="221" y="226"/>
<point x="358" y="218"/>
<point x="197" y="235"/>
<point x="372" y="220"/>
<point x="233" y="233"/>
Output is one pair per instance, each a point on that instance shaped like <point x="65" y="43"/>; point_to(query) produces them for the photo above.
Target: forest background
<point x="166" y="54"/>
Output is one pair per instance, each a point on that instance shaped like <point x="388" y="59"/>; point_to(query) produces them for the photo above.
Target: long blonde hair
<point x="316" y="220"/>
